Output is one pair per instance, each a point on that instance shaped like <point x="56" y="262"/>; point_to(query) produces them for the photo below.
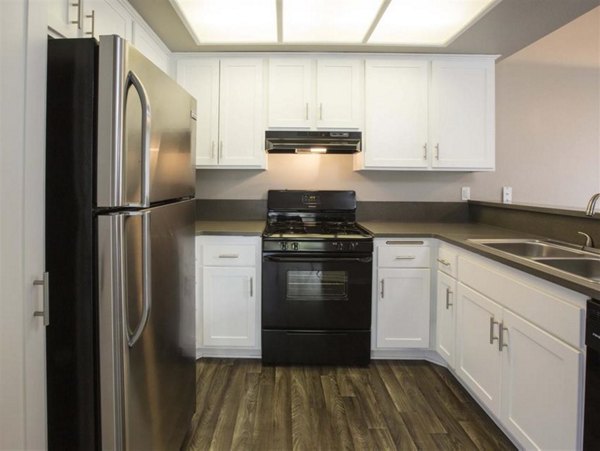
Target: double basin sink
<point x="570" y="259"/>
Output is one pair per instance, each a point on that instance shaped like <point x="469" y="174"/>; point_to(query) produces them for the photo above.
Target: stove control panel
<point x="317" y="246"/>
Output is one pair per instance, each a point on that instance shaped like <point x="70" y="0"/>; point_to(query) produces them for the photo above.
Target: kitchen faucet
<point x="589" y="211"/>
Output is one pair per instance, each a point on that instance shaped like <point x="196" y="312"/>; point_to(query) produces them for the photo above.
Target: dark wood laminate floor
<point x="243" y="405"/>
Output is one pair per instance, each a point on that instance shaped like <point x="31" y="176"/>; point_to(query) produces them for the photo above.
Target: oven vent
<point x="321" y="142"/>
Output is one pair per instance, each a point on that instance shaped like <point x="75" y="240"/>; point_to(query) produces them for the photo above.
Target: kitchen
<point x="542" y="152"/>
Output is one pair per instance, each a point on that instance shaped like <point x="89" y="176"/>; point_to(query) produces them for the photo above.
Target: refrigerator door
<point x="145" y="127"/>
<point x="146" y="326"/>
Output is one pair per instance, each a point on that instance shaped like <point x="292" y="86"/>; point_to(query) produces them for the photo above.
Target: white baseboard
<point x="228" y="353"/>
<point x="408" y="354"/>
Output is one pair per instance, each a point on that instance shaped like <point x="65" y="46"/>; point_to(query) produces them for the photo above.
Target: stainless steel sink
<point x="532" y="249"/>
<point x="562" y="257"/>
<point x="588" y="268"/>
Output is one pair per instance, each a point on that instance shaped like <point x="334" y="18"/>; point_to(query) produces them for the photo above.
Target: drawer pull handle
<point x="229" y="256"/>
<point x="443" y="262"/>
<point x="502" y="330"/>
<point x="251" y="287"/>
<point x="405" y="243"/>
<point x="405" y="257"/>
<point x="382" y="288"/>
<point x="492" y="337"/>
<point x="448" y="303"/>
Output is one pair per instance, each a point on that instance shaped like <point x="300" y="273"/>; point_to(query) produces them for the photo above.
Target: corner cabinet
<point x="228" y="294"/>
<point x="230" y="110"/>
<point x="429" y="114"/>
<point x="402" y="294"/>
<point x="315" y="93"/>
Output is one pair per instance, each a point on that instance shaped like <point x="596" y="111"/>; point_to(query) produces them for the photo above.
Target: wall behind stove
<point x="547" y="138"/>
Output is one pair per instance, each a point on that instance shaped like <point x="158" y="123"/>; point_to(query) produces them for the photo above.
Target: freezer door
<point x="146" y="325"/>
<point x="145" y="126"/>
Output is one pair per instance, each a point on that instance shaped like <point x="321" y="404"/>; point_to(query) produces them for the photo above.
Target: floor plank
<point x="403" y="405"/>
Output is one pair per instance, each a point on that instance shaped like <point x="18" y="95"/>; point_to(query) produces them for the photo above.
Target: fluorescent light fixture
<point x="229" y="21"/>
<point x="427" y="22"/>
<point x="327" y="21"/>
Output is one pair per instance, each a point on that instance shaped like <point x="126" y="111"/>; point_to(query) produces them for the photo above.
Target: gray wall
<point x="547" y="138"/>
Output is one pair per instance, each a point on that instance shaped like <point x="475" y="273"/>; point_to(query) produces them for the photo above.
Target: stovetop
<point x="314" y="221"/>
<point x="315" y="230"/>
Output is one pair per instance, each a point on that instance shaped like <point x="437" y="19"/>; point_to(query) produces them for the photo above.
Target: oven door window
<point x="317" y="285"/>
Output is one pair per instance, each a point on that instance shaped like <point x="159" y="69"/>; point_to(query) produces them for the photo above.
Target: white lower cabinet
<point x="478" y="363"/>
<point x="229" y="305"/>
<point x="540" y="386"/>
<point x="228" y="293"/>
<point x="446" y="317"/>
<point x="403" y="308"/>
<point x="403" y="294"/>
<point x="529" y="378"/>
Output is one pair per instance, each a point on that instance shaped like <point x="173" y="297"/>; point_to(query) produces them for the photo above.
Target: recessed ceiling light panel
<point x="229" y="21"/>
<point x="328" y="21"/>
<point x="426" y="22"/>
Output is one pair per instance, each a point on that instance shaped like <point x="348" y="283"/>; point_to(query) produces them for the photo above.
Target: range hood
<point x="321" y="142"/>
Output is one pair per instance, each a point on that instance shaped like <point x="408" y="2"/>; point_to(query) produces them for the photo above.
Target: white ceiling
<point x="506" y="28"/>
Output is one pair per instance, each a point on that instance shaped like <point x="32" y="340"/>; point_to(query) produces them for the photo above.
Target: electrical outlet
<point x="507" y="194"/>
<point x="465" y="193"/>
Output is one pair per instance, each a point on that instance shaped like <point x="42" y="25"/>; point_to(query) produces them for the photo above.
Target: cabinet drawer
<point x="228" y="255"/>
<point x="447" y="260"/>
<point x="403" y="256"/>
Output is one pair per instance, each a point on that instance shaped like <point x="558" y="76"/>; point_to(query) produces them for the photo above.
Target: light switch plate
<point x="465" y="193"/>
<point x="507" y="194"/>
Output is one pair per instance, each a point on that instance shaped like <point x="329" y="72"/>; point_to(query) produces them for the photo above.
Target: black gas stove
<point x="314" y="221"/>
<point x="317" y="270"/>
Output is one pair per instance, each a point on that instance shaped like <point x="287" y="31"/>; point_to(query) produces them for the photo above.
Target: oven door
<point x="316" y="291"/>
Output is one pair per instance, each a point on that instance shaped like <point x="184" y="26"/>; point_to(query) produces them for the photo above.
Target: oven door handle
<point x="317" y="259"/>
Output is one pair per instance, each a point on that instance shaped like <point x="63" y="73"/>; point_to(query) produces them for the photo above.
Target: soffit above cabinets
<point x="388" y="22"/>
<point x="502" y="29"/>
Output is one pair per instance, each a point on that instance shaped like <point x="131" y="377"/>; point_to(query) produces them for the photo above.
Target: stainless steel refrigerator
<point x="120" y="215"/>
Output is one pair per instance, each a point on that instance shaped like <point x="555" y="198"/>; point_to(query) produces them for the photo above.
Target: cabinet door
<point x="229" y="306"/>
<point x="478" y="361"/>
<point x="241" y="124"/>
<point x="199" y="293"/>
<point x="396" y="114"/>
<point x="446" y="317"/>
<point x="291" y="101"/>
<point x="61" y="14"/>
<point x="462" y="114"/>
<point x="541" y="377"/>
<point x="109" y="18"/>
<point x="200" y="76"/>
<point x="403" y="298"/>
<point x="339" y="102"/>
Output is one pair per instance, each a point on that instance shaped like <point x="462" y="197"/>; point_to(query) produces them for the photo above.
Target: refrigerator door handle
<point x="133" y="80"/>
<point x="133" y="337"/>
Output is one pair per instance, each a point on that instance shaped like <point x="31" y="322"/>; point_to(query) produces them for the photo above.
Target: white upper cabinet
<point x="429" y="113"/>
<point x="396" y="113"/>
<point x="338" y="93"/>
<point x="62" y="18"/>
<point x="290" y="92"/>
<point x="462" y="114"/>
<point x="241" y="121"/>
<point x="106" y="17"/>
<point x="322" y="93"/>
<point x="201" y="79"/>
<point x="230" y="121"/>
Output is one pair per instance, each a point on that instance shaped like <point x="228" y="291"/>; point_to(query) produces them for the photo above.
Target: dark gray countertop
<point x="459" y="234"/>
<point x="239" y="228"/>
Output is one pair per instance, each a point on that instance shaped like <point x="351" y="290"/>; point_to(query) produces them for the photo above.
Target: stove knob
<point x="295" y="246"/>
<point x="353" y="245"/>
<point x="283" y="245"/>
